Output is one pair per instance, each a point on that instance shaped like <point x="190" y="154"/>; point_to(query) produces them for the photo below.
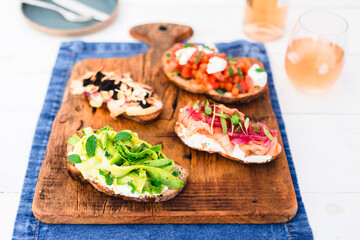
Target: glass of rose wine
<point x="316" y="52"/>
<point x="264" y="20"/>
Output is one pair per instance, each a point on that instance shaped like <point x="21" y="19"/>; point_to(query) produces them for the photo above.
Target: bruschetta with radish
<point x="120" y="93"/>
<point x="201" y="69"/>
<point x="214" y="128"/>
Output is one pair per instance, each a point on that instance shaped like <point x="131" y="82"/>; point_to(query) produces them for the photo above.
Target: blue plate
<point x="53" y="22"/>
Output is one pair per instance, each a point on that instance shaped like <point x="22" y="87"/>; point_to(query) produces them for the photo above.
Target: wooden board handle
<point x="161" y="35"/>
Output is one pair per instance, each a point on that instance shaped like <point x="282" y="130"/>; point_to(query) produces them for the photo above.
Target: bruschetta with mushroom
<point x="120" y="93"/>
<point x="201" y="69"/>
<point x="214" y="128"/>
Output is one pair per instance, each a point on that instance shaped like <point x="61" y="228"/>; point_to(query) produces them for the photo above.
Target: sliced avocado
<point x="87" y="131"/>
<point x="159" y="163"/>
<point x="117" y="159"/>
<point x="157" y="174"/>
<point x="99" y="152"/>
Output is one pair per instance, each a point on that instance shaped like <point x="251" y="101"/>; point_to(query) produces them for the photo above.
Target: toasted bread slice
<point x="165" y="196"/>
<point x="107" y="88"/>
<point x="178" y="132"/>
<point x="191" y="85"/>
<point x="203" y="142"/>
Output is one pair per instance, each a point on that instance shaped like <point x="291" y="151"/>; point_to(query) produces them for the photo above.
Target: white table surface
<point x="323" y="130"/>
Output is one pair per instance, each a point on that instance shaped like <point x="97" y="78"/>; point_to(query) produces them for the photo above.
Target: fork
<point x="70" y="16"/>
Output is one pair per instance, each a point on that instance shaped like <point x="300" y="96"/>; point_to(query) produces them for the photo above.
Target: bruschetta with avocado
<point x="201" y="69"/>
<point x="214" y="128"/>
<point x="122" y="95"/>
<point x="121" y="165"/>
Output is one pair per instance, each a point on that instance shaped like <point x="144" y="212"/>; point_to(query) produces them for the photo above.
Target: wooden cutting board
<point x="219" y="190"/>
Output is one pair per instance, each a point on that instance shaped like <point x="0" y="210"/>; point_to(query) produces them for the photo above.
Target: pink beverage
<point x="316" y="52"/>
<point x="313" y="65"/>
<point x="265" y="19"/>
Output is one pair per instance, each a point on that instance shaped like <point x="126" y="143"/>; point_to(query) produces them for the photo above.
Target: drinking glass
<point x="316" y="51"/>
<point x="265" y="19"/>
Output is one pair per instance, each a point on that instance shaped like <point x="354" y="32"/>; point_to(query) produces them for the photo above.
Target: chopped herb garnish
<point x="223" y="125"/>
<point x="231" y="71"/>
<point x="132" y="187"/>
<point x="74" y="158"/>
<point x="121" y="136"/>
<point x="256" y="128"/>
<point x="239" y="86"/>
<point x="231" y="59"/>
<point x="219" y="91"/>
<point x="268" y="134"/>
<point x="198" y="58"/>
<point x="188" y="44"/>
<point x="108" y="179"/>
<point x="240" y="73"/>
<point x="107" y="155"/>
<point x="196" y="105"/>
<point x="168" y="55"/>
<point x="206" y="47"/>
<point x="222" y="115"/>
<point x="235" y="119"/>
<point x="208" y="110"/>
<point x="259" y="70"/>
<point x="90" y="145"/>
<point x="246" y="124"/>
<point x="103" y="172"/>
<point x="175" y="172"/>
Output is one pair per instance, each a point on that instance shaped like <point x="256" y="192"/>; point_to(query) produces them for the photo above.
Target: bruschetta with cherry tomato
<point x="202" y="69"/>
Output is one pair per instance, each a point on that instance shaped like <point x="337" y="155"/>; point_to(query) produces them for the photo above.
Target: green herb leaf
<point x="206" y="47"/>
<point x="168" y="55"/>
<point x="240" y="73"/>
<point x="103" y="172"/>
<point x="107" y="128"/>
<point x="208" y="110"/>
<point x="132" y="187"/>
<point x="188" y="44"/>
<point x="235" y="119"/>
<point x="231" y="59"/>
<point x="175" y="70"/>
<point x="74" y="158"/>
<point x="239" y="86"/>
<point x="259" y="70"/>
<point x="175" y="172"/>
<point x="107" y="155"/>
<point x="198" y="58"/>
<point x="223" y="125"/>
<point x="219" y="91"/>
<point x="90" y="145"/>
<point x="121" y="136"/>
<point x="268" y="134"/>
<point x="256" y="128"/>
<point x="231" y="71"/>
<point x="239" y="128"/>
<point x="222" y="115"/>
<point x="196" y="105"/>
<point x="108" y="179"/>
<point x="246" y="124"/>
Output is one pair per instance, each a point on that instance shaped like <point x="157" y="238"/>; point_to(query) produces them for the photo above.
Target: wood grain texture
<point x="219" y="190"/>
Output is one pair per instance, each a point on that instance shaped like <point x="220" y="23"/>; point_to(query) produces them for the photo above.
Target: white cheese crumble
<point x="215" y="65"/>
<point x="259" y="78"/>
<point x="183" y="55"/>
<point x="201" y="141"/>
<point x="209" y="49"/>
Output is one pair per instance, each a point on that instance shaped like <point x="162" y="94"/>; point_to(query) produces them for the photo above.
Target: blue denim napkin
<point x="28" y="227"/>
